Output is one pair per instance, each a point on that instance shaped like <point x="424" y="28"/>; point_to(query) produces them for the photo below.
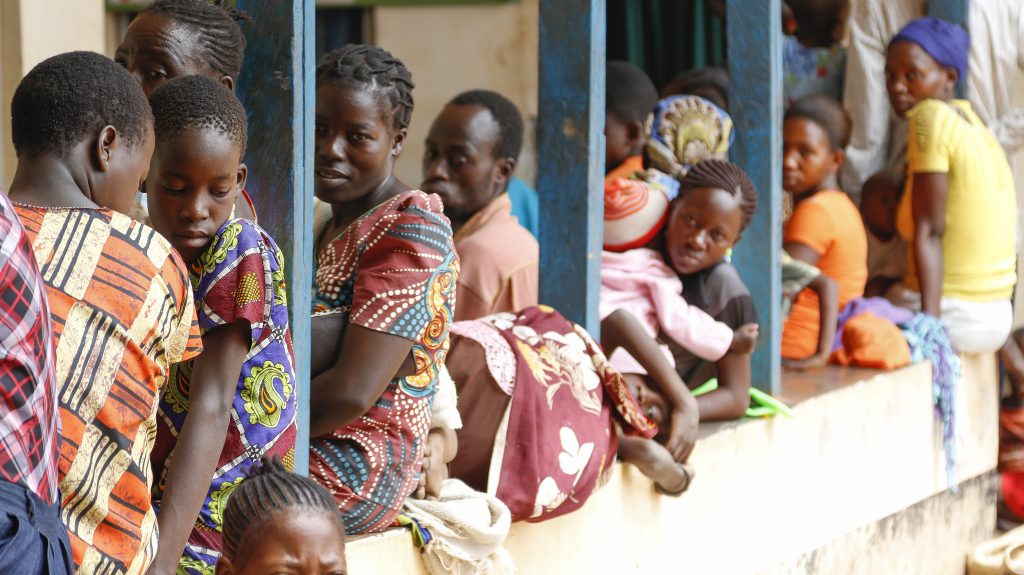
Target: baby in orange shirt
<point x="825" y="229"/>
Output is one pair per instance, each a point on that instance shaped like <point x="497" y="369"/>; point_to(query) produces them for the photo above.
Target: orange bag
<point x="873" y="342"/>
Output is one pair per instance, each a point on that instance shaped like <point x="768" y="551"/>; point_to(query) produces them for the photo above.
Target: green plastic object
<point x="764" y="405"/>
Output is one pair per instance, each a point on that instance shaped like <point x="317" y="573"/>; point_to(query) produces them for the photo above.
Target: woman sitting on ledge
<point x="386" y="268"/>
<point x="959" y="210"/>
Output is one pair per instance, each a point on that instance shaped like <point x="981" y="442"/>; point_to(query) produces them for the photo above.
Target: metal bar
<point x="570" y="156"/>
<point x="957" y="11"/>
<point x="950" y="10"/>
<point x="277" y="87"/>
<point x="755" y="72"/>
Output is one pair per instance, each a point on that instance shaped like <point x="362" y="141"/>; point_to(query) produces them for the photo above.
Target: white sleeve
<point x="445" y="408"/>
<point x="1009" y="128"/>
<point x="866" y="98"/>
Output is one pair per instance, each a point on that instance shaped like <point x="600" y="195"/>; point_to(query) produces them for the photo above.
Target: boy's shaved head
<point x="198" y="102"/>
<point x="70" y="97"/>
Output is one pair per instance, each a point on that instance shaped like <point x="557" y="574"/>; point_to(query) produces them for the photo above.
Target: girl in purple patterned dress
<point x="237" y="275"/>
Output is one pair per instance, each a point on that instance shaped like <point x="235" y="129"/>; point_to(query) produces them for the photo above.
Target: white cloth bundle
<point x="468" y="530"/>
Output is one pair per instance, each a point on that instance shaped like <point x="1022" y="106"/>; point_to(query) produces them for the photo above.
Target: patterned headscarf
<point x="682" y="131"/>
<point x="948" y="43"/>
<point x="685" y="130"/>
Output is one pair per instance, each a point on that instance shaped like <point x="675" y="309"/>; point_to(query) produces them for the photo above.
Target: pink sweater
<point x="639" y="282"/>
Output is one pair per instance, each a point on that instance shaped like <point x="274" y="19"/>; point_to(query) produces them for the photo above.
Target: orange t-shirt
<point x="828" y="223"/>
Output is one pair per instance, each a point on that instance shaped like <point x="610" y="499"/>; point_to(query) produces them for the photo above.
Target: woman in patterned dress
<point x="386" y="268"/>
<point x="237" y="277"/>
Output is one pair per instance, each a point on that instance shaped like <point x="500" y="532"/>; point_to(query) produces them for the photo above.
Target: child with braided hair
<point x="716" y="202"/>
<point x="173" y="38"/>
<point x="686" y="131"/>
<point x="277" y="521"/>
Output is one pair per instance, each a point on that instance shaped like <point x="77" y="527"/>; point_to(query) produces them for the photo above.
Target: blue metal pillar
<point x="755" y="73"/>
<point x="570" y="158"/>
<point x="277" y="87"/>
<point x="950" y="10"/>
<point x="953" y="11"/>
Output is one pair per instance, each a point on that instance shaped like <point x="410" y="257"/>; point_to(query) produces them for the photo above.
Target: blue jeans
<point x="32" y="538"/>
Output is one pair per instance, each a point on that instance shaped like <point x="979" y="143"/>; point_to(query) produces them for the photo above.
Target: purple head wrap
<point x="947" y="43"/>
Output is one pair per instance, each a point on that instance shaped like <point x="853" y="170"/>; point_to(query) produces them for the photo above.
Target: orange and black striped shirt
<point x="122" y="315"/>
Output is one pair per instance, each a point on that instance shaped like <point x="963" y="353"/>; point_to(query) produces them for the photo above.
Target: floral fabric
<point x="558" y="442"/>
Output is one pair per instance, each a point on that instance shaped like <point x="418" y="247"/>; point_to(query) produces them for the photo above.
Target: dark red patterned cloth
<point x="28" y="410"/>
<point x="394" y="270"/>
<point x="557" y="442"/>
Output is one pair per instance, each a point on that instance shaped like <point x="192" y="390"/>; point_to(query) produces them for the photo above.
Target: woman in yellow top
<point x="959" y="209"/>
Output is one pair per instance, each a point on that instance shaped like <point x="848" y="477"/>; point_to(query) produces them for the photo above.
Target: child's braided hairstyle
<point x="270" y="489"/>
<point x="369" y="66"/>
<point x="726" y="176"/>
<point x="220" y="40"/>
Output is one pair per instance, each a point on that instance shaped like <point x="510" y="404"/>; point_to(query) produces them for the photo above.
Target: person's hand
<point x="436" y="454"/>
<point x="682" y="434"/>
<point x="814" y="362"/>
<point x="744" y="339"/>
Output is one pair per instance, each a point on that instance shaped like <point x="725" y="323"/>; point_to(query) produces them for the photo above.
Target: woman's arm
<point x="654" y="461"/>
<point x="329" y="333"/>
<point x="828" y="305"/>
<point x="214" y="380"/>
<point x="731" y="399"/>
<point x="802" y="252"/>
<point x="929" y="202"/>
<point x="621" y="329"/>
<point x="367" y="361"/>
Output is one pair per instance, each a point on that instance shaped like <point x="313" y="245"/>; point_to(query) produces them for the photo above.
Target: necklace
<point x="63" y="208"/>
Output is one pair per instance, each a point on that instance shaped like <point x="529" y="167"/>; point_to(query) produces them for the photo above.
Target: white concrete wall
<point x="450" y="49"/>
<point x="766" y="492"/>
<point x="30" y="32"/>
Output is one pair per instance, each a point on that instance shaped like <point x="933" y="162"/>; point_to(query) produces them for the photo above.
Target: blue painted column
<point x="953" y="11"/>
<point x="570" y="156"/>
<point x="755" y="74"/>
<point x="277" y="88"/>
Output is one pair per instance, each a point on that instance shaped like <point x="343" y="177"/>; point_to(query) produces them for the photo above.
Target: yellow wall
<point x="450" y="49"/>
<point x="30" y="32"/>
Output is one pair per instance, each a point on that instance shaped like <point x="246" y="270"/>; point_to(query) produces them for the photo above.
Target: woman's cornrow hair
<point x="726" y="176"/>
<point x="268" y="489"/>
<point x="221" y="42"/>
<point x="372" y="67"/>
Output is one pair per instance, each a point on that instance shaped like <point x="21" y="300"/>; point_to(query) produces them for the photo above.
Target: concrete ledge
<point x="864" y="446"/>
<point x="932" y="537"/>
